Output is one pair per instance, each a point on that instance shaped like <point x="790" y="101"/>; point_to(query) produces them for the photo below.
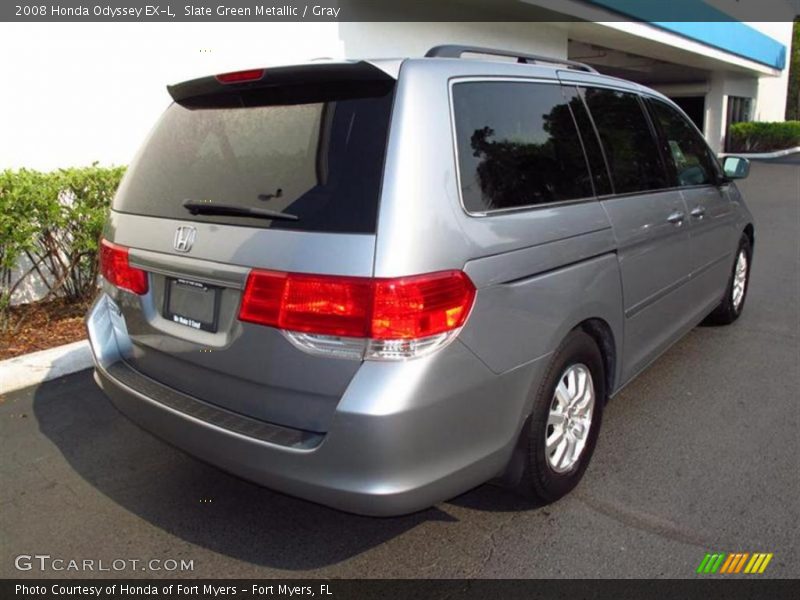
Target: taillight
<point x="357" y="317"/>
<point x="115" y="268"/>
<point x="241" y="76"/>
<point x="309" y="303"/>
<point x="417" y="307"/>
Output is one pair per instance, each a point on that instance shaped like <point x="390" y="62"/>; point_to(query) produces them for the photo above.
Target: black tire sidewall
<point x="547" y="484"/>
<point x="726" y="313"/>
<point x="744" y="244"/>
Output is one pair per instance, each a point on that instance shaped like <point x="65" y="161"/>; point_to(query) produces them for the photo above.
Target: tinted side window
<point x="517" y="146"/>
<point x="685" y="149"/>
<point x="631" y="149"/>
<point x="591" y="145"/>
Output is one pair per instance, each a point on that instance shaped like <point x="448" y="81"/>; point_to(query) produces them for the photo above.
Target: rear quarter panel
<point x="539" y="272"/>
<point x="524" y="319"/>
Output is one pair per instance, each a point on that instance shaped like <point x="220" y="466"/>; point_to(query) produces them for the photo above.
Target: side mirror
<point x="736" y="167"/>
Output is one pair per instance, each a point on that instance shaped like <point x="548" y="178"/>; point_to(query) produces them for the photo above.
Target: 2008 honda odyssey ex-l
<point x="378" y="284"/>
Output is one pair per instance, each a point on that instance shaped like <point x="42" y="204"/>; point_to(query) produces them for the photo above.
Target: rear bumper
<point x="405" y="435"/>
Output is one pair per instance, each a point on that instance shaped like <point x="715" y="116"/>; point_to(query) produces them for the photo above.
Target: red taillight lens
<point x="329" y="305"/>
<point x="241" y="76"/>
<point x="309" y="303"/>
<point x="115" y="268"/>
<point x="380" y="309"/>
<point x="417" y="307"/>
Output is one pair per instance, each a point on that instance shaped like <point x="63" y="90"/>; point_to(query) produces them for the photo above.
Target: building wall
<point x="772" y="91"/>
<point x="109" y="80"/>
<point x="87" y="92"/>
<point x="414" y="39"/>
<point x="723" y="85"/>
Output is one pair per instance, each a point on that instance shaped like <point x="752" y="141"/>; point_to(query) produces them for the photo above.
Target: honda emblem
<point x="184" y="238"/>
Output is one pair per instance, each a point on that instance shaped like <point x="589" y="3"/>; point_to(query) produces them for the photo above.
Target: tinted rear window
<point x="321" y="160"/>
<point x="517" y="146"/>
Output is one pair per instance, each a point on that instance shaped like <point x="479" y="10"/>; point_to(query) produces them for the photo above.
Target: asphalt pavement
<point x="698" y="454"/>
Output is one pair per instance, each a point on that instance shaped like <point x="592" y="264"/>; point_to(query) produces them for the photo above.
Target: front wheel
<point x="732" y="304"/>
<point x="565" y="421"/>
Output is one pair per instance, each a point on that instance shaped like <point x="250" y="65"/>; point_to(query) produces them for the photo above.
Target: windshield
<point x="321" y="161"/>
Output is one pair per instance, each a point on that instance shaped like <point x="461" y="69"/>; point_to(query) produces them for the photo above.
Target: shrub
<point x="763" y="137"/>
<point x="55" y="220"/>
<point x="22" y="193"/>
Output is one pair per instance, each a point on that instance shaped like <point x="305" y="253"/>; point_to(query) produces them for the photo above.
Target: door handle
<point x="676" y="218"/>
<point x="698" y="212"/>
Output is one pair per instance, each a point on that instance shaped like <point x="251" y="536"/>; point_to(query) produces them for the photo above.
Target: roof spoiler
<point x="225" y="88"/>
<point x="455" y="51"/>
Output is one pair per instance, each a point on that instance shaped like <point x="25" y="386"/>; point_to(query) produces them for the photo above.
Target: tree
<point x="793" y="97"/>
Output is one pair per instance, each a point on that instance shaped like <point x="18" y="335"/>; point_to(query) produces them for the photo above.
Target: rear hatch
<point x="280" y="170"/>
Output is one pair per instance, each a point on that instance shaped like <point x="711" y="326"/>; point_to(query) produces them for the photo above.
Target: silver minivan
<point x="377" y="284"/>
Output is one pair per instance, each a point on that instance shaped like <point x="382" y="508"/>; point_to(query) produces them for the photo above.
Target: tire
<point x="732" y="304"/>
<point x="548" y="476"/>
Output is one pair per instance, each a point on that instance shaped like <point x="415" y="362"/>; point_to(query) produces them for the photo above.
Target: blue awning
<point x="708" y="25"/>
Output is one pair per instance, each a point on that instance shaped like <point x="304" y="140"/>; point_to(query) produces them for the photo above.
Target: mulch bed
<point x="42" y="325"/>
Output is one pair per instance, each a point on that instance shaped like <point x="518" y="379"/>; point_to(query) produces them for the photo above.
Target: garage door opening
<point x="694" y="107"/>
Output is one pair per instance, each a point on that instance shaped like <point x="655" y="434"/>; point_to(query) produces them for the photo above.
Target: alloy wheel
<point x="570" y="418"/>
<point x="739" y="280"/>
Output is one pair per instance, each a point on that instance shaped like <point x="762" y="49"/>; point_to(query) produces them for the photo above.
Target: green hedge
<point x="55" y="220"/>
<point x="763" y="137"/>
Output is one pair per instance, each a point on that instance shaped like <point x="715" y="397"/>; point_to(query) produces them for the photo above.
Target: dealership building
<point x="719" y="69"/>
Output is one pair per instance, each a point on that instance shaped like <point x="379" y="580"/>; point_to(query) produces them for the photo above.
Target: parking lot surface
<point x="698" y="454"/>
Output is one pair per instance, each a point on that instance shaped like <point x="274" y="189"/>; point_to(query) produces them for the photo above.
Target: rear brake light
<point x="360" y="317"/>
<point x="241" y="76"/>
<point x="115" y="268"/>
<point x="417" y="307"/>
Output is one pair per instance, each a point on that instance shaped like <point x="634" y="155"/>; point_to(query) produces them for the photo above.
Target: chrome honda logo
<point x="184" y="238"/>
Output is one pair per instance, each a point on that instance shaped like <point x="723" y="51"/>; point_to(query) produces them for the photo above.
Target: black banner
<point x="395" y="10"/>
<point x="454" y="589"/>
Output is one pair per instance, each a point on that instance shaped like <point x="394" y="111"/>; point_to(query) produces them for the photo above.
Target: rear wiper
<point x="232" y="210"/>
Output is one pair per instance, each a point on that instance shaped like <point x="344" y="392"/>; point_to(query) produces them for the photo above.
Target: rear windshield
<point x="320" y="160"/>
